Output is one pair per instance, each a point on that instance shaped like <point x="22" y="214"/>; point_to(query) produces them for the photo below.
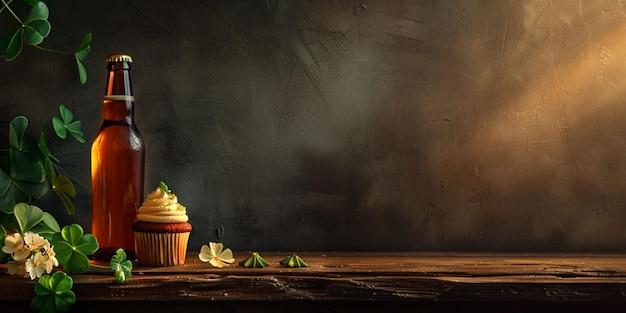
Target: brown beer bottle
<point x="117" y="164"/>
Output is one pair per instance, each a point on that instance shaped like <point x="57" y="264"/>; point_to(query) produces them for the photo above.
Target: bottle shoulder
<point x="126" y="122"/>
<point x="118" y="130"/>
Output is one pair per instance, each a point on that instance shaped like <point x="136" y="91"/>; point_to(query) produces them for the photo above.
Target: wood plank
<point x="363" y="276"/>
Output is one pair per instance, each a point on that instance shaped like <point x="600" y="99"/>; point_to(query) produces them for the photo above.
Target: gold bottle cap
<point x="119" y="58"/>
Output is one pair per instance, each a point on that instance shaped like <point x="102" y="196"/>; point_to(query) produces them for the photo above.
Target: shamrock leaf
<point x="53" y="293"/>
<point x="11" y="44"/>
<point x="121" y="266"/>
<point x="26" y="178"/>
<point x="84" y="49"/>
<point x="64" y="188"/>
<point x="67" y="124"/>
<point x="48" y="226"/>
<point x="28" y="216"/>
<point x="8" y="221"/>
<point x="24" y="181"/>
<point x="17" y="131"/>
<point x="61" y="184"/>
<point x="26" y="167"/>
<point x="36" y="26"/>
<point x="34" y="30"/>
<point x="80" y="55"/>
<point x="39" y="10"/>
<point x="8" y="194"/>
<point x="72" y="247"/>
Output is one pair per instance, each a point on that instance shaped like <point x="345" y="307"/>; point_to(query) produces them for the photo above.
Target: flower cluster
<point x="32" y="255"/>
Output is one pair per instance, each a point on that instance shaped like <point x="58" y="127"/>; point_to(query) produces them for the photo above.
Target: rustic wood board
<point x="374" y="277"/>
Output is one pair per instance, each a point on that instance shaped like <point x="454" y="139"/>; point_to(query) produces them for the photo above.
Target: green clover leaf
<point x="64" y="188"/>
<point x="26" y="167"/>
<point x="28" y="216"/>
<point x="11" y="44"/>
<point x="32" y="172"/>
<point x="66" y="124"/>
<point x="80" y="55"/>
<point x="48" y="226"/>
<point x="34" y="30"/>
<point x="39" y="11"/>
<point x="84" y="49"/>
<point x="72" y="247"/>
<point x="53" y="293"/>
<point x="17" y="131"/>
<point x="121" y="266"/>
<point x="7" y="194"/>
<point x="61" y="184"/>
<point x="37" y="27"/>
<point x="27" y="176"/>
<point x="82" y="71"/>
<point x="24" y="181"/>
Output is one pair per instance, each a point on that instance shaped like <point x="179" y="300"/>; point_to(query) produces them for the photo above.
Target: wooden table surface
<point x="359" y="281"/>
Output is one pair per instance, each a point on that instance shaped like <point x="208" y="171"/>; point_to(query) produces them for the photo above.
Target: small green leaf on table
<point x="121" y="266"/>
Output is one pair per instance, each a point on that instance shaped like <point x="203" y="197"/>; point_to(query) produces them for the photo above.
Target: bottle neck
<point x="118" y="104"/>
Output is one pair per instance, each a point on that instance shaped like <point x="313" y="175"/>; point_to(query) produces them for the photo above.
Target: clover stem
<point x="51" y="50"/>
<point x="6" y="5"/>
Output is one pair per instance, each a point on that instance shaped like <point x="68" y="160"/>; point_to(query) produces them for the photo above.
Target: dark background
<point x="356" y="124"/>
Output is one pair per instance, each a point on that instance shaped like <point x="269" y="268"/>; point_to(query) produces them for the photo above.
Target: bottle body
<point x="117" y="167"/>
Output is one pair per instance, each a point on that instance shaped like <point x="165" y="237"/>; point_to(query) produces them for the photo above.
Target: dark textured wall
<point x="358" y="124"/>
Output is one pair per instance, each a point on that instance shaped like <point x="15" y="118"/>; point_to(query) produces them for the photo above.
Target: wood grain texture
<point x="372" y="277"/>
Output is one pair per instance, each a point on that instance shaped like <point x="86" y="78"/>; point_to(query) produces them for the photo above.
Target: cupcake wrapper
<point x="161" y="249"/>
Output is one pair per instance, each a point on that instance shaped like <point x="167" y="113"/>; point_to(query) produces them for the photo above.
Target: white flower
<point x="42" y="261"/>
<point x="34" y="241"/>
<point x="32" y="255"/>
<point x="33" y="268"/>
<point x="49" y="257"/>
<point x="216" y="255"/>
<point x="14" y="245"/>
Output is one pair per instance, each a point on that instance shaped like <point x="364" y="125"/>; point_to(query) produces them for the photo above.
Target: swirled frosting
<point x="162" y="207"/>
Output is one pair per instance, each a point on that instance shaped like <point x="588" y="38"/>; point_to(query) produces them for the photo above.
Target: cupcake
<point x="162" y="229"/>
